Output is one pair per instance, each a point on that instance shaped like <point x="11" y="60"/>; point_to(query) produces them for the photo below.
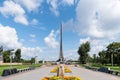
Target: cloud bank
<point x="9" y="40"/>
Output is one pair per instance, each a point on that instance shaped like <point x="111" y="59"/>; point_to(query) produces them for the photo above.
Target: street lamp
<point x="43" y="61"/>
<point x="11" y="57"/>
<point x="111" y="52"/>
<point x="112" y="59"/>
<point x="112" y="55"/>
<point x="36" y="59"/>
<point x="1" y="54"/>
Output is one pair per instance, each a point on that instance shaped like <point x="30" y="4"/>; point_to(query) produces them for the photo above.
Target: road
<point x="39" y="73"/>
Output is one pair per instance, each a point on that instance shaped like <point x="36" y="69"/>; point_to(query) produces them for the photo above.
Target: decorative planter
<point x="60" y="70"/>
<point x="61" y="78"/>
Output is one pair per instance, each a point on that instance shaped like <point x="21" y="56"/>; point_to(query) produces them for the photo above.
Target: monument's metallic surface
<point x="61" y="58"/>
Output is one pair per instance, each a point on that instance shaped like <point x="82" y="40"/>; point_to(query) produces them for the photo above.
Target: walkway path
<point x="85" y="74"/>
<point x="36" y="74"/>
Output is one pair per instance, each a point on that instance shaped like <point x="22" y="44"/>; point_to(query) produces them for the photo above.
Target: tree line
<point x="110" y="55"/>
<point x="16" y="56"/>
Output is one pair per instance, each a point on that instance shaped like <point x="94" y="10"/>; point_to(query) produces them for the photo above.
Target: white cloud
<point x="9" y="40"/>
<point x="84" y="40"/>
<point x="13" y="9"/>
<point x="8" y="37"/>
<point x="68" y="2"/>
<point x="98" y="18"/>
<point x="30" y="5"/>
<point x="71" y="54"/>
<point x="21" y="19"/>
<point x="34" y="22"/>
<point x="32" y="40"/>
<point x="54" y="6"/>
<point x="50" y="40"/>
<point x="22" y="40"/>
<point x="68" y="25"/>
<point x="55" y="11"/>
<point x="28" y="52"/>
<point x="95" y="44"/>
<point x="32" y="35"/>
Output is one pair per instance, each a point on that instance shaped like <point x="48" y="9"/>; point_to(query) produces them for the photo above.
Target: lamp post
<point x="43" y="61"/>
<point x="112" y="59"/>
<point x="11" y="57"/>
<point x="112" y="52"/>
<point x="112" y="55"/>
<point x="1" y="54"/>
<point x="36" y="59"/>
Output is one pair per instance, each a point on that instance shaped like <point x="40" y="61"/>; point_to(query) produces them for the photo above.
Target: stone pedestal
<point x="60" y="71"/>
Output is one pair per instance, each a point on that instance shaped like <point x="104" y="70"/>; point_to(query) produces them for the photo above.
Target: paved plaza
<point x="39" y="73"/>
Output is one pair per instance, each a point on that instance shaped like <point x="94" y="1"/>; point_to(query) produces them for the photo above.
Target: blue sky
<point x="33" y="26"/>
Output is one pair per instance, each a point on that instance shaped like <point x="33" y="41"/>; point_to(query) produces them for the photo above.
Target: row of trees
<point x="111" y="54"/>
<point x="16" y="56"/>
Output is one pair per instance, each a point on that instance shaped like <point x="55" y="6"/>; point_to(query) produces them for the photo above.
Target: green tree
<point x="94" y="58"/>
<point x="6" y="56"/>
<point x="103" y="57"/>
<point x="32" y="60"/>
<point x="83" y="52"/>
<point x="113" y="51"/>
<point x="17" y="57"/>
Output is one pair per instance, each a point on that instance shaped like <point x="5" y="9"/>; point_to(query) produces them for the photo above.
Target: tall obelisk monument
<point x="61" y="58"/>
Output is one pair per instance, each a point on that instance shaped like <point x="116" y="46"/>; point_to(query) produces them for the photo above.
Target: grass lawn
<point x="2" y="67"/>
<point x="97" y="66"/>
<point x="116" y="68"/>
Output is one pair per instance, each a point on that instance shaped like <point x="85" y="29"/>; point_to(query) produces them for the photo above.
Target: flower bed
<point x="54" y="70"/>
<point x="67" y="70"/>
<point x="61" y="78"/>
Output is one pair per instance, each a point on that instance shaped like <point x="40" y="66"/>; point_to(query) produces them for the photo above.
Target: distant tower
<point x="61" y="58"/>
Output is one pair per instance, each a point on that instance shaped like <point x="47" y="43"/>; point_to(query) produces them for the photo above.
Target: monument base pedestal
<point x="60" y="71"/>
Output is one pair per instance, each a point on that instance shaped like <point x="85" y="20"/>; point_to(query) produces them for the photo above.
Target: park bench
<point x="106" y="70"/>
<point x="114" y="72"/>
<point x="31" y="67"/>
<point x="7" y="72"/>
<point x="91" y="68"/>
<point x="26" y="69"/>
<point x="23" y="69"/>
